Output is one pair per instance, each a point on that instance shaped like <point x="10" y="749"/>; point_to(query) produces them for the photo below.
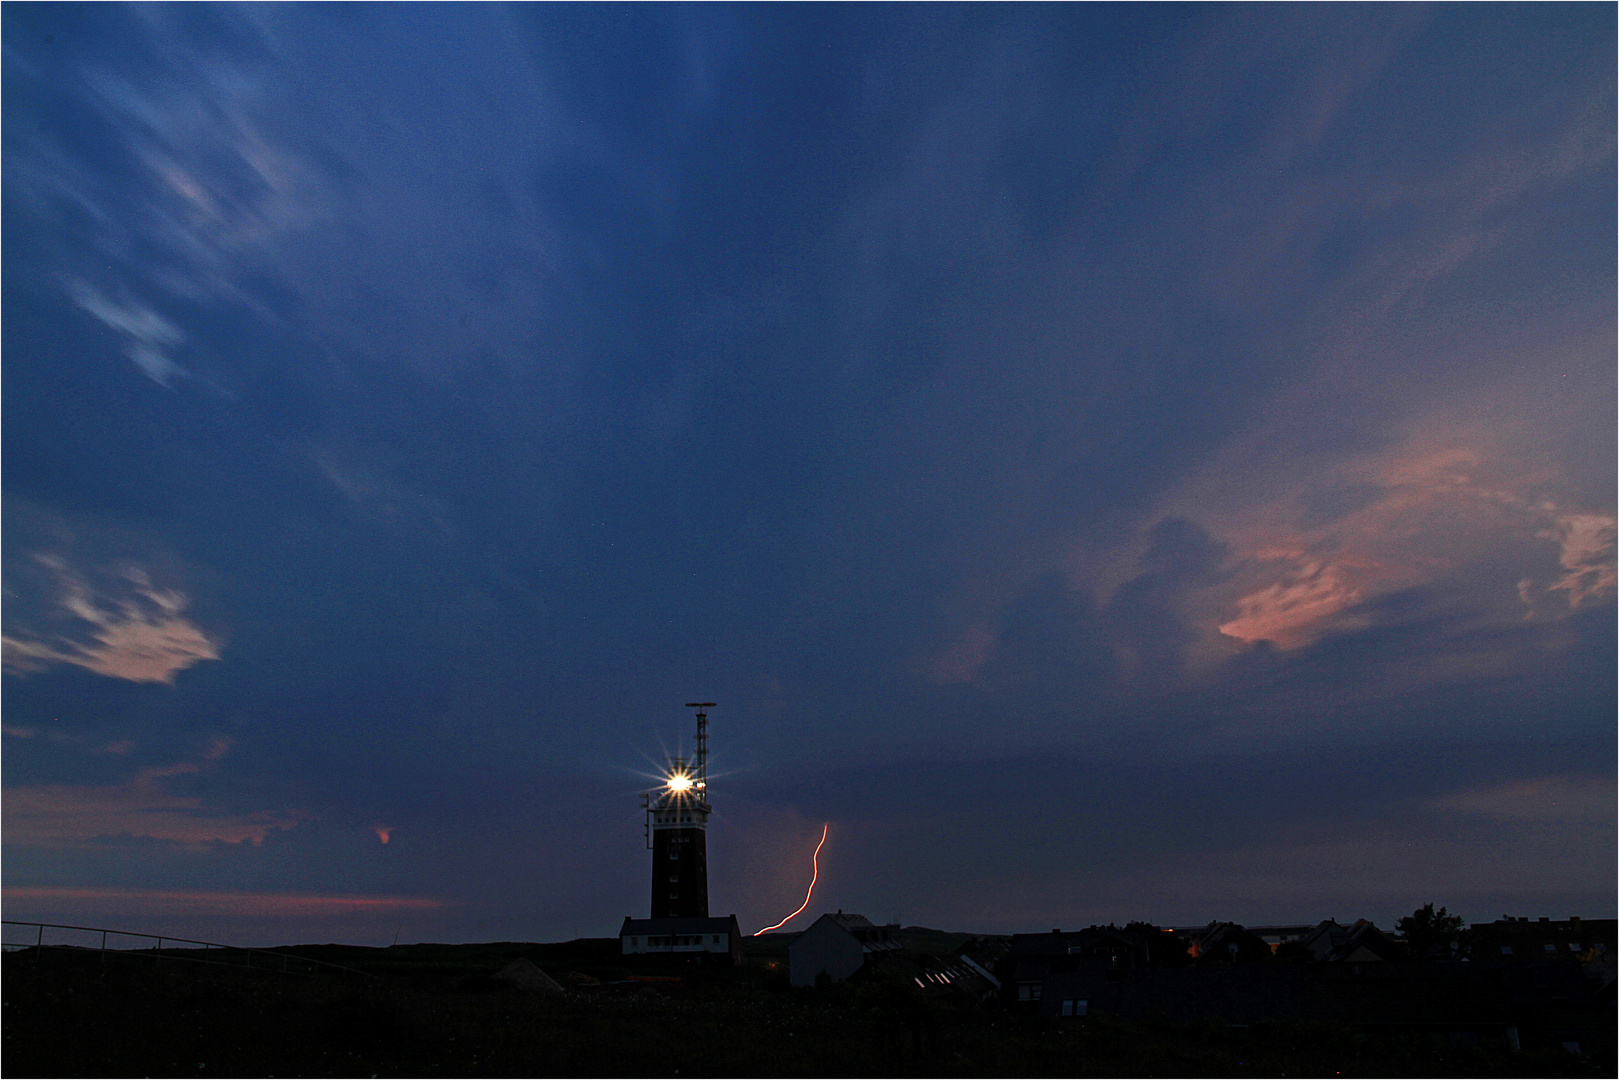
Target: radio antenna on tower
<point x="702" y="746"/>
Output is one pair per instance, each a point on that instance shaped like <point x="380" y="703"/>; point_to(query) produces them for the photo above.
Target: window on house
<point x="1574" y="946"/>
<point x="716" y="938"/>
<point x="1075" y="1006"/>
<point x="1551" y="948"/>
<point x="1506" y="950"/>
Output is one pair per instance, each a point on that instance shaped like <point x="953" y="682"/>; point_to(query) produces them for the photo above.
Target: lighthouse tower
<point x="677" y="831"/>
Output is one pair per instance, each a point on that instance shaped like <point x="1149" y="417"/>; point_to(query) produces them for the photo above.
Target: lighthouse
<point x="676" y="830"/>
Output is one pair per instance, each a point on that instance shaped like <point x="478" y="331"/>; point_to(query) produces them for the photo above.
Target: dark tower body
<point x="679" y="858"/>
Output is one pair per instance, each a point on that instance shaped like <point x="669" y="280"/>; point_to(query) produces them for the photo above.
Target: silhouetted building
<point x="1228" y="943"/>
<point x="1277" y="936"/>
<point x="1528" y="997"/>
<point x="714" y="938"/>
<point x="1031" y="959"/>
<point x="1360" y="943"/>
<point x="1515" y="940"/>
<point x="838" y="945"/>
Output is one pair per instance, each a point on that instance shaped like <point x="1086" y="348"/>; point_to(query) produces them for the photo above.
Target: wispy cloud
<point x="195" y="902"/>
<point x="148" y="335"/>
<point x="74" y="815"/>
<point x="1546" y="798"/>
<point x="1310" y="560"/>
<point x="1587" y="543"/>
<point x="140" y="634"/>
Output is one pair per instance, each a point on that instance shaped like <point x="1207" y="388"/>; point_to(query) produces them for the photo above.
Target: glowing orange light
<point x="680" y="782"/>
<point x="815" y="862"/>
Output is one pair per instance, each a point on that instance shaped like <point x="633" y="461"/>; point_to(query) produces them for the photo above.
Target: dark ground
<point x="435" y="1010"/>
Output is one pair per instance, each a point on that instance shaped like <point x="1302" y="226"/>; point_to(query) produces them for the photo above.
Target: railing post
<point x="103" y="946"/>
<point x="160" y="950"/>
<point x="39" y="944"/>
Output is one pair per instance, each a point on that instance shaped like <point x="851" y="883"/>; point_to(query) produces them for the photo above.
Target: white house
<point x="718" y="937"/>
<point x="837" y="944"/>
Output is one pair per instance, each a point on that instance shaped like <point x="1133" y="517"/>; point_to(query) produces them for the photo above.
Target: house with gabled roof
<point x="1362" y="942"/>
<point x="838" y="945"/>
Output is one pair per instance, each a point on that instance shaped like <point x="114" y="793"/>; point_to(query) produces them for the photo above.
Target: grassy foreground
<point x="435" y="1010"/>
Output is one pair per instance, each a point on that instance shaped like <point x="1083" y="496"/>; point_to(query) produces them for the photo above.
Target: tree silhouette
<point x="1425" y="928"/>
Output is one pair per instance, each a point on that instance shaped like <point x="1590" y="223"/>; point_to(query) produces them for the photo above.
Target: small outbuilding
<point x="837" y="944"/>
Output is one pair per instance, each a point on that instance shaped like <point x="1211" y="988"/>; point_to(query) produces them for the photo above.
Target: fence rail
<point x="213" y="953"/>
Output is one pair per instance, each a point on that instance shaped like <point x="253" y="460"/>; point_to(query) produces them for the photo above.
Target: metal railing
<point x="213" y="953"/>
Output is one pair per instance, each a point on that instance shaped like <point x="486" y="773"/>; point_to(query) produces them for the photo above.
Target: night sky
<point x="1106" y="462"/>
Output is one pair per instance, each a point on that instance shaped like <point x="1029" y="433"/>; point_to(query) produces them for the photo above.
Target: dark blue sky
<point x="1107" y="462"/>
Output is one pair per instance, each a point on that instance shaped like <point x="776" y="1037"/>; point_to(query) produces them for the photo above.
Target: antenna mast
<point x="702" y="747"/>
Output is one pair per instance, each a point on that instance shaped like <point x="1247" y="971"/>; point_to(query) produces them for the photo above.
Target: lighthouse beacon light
<point x="677" y="831"/>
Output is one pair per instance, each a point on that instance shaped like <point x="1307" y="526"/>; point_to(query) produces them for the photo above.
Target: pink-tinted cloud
<point x="1587" y="543"/>
<point x="73" y="815"/>
<point x="1290" y="611"/>
<point x="140" y="634"/>
<point x="196" y="902"/>
<point x="1546" y="798"/>
<point x="1420" y="514"/>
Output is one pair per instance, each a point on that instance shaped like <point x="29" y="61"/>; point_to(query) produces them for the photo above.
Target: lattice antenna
<point x="702" y="747"/>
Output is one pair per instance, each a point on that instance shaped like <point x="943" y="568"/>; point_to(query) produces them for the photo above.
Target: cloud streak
<point x="204" y="902"/>
<point x="140" y="634"/>
<point x="1546" y="798"/>
<point x="79" y="815"/>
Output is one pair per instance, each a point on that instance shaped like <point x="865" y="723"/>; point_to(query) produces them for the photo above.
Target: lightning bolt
<point x="815" y="863"/>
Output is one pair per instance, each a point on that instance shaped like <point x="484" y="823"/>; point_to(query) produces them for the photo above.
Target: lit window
<point x="1551" y="948"/>
<point x="1574" y="946"/>
<point x="1506" y="950"/>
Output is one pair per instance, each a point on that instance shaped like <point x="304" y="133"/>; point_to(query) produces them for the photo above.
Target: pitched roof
<point x="872" y="937"/>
